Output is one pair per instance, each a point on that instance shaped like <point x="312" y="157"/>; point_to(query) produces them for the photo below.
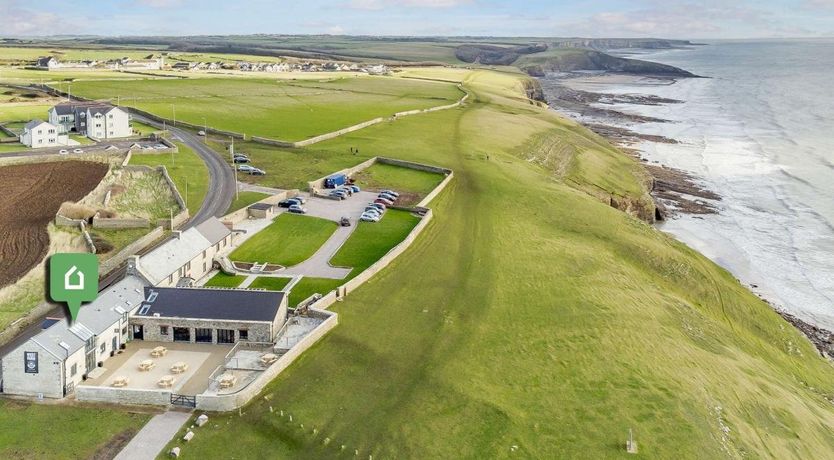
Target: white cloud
<point x="381" y="4"/>
<point x="23" y="21"/>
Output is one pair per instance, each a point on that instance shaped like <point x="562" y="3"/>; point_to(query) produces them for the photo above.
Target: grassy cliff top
<point x="533" y="320"/>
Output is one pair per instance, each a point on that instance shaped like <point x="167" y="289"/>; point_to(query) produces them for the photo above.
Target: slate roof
<point x="211" y="304"/>
<point x="176" y="252"/>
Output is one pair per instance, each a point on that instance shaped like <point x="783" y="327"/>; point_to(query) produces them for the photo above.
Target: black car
<point x="241" y="160"/>
<point x="287" y="203"/>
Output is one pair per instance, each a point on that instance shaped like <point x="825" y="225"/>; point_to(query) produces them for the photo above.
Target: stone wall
<point x="258" y="331"/>
<point x="117" y="222"/>
<point x="318" y="184"/>
<point x="179" y="123"/>
<point x="242" y="214"/>
<point x="113" y="262"/>
<point x="433" y="194"/>
<point x="413" y="165"/>
<point x="123" y="395"/>
<point x="233" y="401"/>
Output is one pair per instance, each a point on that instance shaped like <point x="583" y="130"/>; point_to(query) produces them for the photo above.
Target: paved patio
<point x="202" y="360"/>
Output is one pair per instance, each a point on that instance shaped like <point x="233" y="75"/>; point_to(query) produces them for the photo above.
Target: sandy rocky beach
<point x="581" y="96"/>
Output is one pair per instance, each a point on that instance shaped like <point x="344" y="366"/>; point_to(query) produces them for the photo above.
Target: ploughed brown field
<point x="30" y="195"/>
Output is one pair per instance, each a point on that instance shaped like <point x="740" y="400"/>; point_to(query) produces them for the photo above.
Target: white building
<point x="38" y="133"/>
<point x="53" y="362"/>
<point x="186" y="257"/>
<point x="92" y="119"/>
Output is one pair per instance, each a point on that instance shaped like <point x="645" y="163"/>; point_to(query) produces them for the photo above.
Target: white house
<point x="93" y="119"/>
<point x="38" y="133"/>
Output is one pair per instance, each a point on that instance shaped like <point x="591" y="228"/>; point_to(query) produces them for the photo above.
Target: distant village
<point x="158" y="63"/>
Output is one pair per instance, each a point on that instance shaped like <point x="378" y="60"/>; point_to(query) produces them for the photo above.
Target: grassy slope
<point x="295" y="110"/>
<point x="289" y="240"/>
<point x="30" y="431"/>
<point x="186" y="168"/>
<point x="532" y="315"/>
<point x="244" y="199"/>
<point x="225" y="281"/>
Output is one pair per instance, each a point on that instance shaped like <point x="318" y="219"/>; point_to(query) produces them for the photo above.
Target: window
<point x="103" y="348"/>
<point x="73" y="370"/>
<point x="40" y="131"/>
<point x="170" y="278"/>
<point x="40" y="141"/>
<point x="182" y="334"/>
<point x="202" y="335"/>
<point x="124" y="330"/>
<point x="244" y="334"/>
<point x="204" y="267"/>
<point x="163" y="330"/>
<point x="98" y="125"/>
<point x="204" y="253"/>
<point x="110" y="116"/>
<point x="225" y="336"/>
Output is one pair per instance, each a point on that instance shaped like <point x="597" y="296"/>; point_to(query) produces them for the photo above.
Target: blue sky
<point x="698" y="19"/>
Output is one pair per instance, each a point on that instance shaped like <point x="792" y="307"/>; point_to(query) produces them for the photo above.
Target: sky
<point x="688" y="19"/>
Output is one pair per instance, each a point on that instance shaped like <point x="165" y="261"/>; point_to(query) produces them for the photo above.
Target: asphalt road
<point x="219" y="197"/>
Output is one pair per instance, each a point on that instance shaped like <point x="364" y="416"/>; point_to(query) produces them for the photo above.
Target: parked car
<point x="390" y="192"/>
<point x="344" y="222"/>
<point x="245" y="168"/>
<point x="288" y="202"/>
<point x="338" y="194"/>
<point x="77" y="151"/>
<point x="201" y="133"/>
<point x="347" y="190"/>
<point x="300" y="198"/>
<point x="257" y="172"/>
<point x="63" y="152"/>
<point x="384" y="201"/>
<point x="379" y="206"/>
<point x="373" y="209"/>
<point x="387" y="196"/>
<point x="297" y="209"/>
<point x="355" y="188"/>
<point x="369" y="218"/>
<point x="241" y="160"/>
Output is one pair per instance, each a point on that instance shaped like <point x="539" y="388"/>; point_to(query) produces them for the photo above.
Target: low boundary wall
<point x="318" y="184"/>
<point x="123" y="395"/>
<point x="242" y="214"/>
<point x="120" y="257"/>
<point x="233" y="401"/>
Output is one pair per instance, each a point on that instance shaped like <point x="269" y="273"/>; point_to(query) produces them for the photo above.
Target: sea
<point x="759" y="132"/>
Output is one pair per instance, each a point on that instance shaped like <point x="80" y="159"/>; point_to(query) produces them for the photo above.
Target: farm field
<point x="533" y="320"/>
<point x="32" y="195"/>
<point x="289" y="240"/>
<point x="287" y="110"/>
<point x="23" y="112"/>
<point x="186" y="169"/>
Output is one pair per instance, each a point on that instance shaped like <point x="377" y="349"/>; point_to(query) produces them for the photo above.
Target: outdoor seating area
<point x="179" y="368"/>
<point x="227" y="381"/>
<point x="268" y="358"/>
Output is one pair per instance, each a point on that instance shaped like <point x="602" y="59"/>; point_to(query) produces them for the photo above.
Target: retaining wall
<point x="318" y="184"/>
<point x="242" y="214"/>
<point x="116" y="222"/>
<point x="233" y="401"/>
<point x="123" y="395"/>
<point x="442" y="185"/>
<point x="120" y="257"/>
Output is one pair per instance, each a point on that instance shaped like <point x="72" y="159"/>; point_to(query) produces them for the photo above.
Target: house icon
<point x="69" y="285"/>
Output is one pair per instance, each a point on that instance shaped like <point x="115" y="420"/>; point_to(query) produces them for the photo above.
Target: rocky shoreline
<point x="674" y="191"/>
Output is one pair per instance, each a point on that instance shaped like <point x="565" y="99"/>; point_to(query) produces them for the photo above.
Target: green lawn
<point x="143" y="129"/>
<point x="77" y="432"/>
<point x="288" y="110"/>
<point x="411" y="184"/>
<point x="223" y="280"/>
<point x="186" y="169"/>
<point x="367" y="244"/>
<point x="23" y="112"/>
<point x="533" y="320"/>
<point x="270" y="283"/>
<point x="244" y="199"/>
<point x="289" y="240"/>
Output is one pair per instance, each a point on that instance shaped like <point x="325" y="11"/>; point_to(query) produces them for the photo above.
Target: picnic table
<point x="227" y="380"/>
<point x="146" y="365"/>
<point x="268" y="358"/>
<point x="167" y="381"/>
<point x="120" y="382"/>
<point x="159" y="351"/>
<point x="179" y="367"/>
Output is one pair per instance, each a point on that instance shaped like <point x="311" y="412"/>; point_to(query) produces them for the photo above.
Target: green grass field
<point x="23" y="112"/>
<point x="270" y="283"/>
<point x="186" y="169"/>
<point x="244" y="199"/>
<point x="367" y="244"/>
<point x="78" y="432"/>
<point x="223" y="280"/>
<point x="411" y="184"/>
<point x="289" y="240"/>
<point x="288" y="110"/>
<point x="533" y="320"/>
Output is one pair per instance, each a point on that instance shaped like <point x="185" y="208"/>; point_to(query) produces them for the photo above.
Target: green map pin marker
<point x="73" y="278"/>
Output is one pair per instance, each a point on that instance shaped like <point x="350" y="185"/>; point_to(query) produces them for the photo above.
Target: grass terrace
<point x="411" y="184"/>
<point x="186" y="169"/>
<point x="288" y="110"/>
<point x="270" y="283"/>
<point x="289" y="240"/>
<point x="226" y="281"/>
<point x="245" y="199"/>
